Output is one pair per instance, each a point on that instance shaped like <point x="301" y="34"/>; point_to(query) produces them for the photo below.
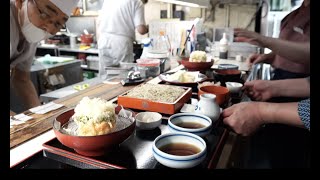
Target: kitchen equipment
<point x="128" y="82"/>
<point x="260" y="72"/>
<point x="133" y="78"/>
<point x="86" y="39"/>
<point x="163" y="56"/>
<point x="137" y="50"/>
<point x="58" y="39"/>
<point x="147" y="46"/>
<point x="149" y="67"/>
<point x="134" y="75"/>
<point x="73" y="40"/>
<point x="92" y="62"/>
<point x="86" y="32"/>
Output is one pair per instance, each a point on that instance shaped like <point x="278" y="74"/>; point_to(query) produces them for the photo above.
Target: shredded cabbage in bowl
<point x="94" y="116"/>
<point x="198" y="56"/>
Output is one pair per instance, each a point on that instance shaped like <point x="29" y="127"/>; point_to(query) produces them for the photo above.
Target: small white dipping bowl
<point x="148" y="120"/>
<point x="184" y="143"/>
<point x="195" y="123"/>
<point x="234" y="87"/>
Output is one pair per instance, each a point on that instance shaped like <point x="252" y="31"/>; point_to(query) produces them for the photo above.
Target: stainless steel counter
<point x="38" y="66"/>
<point x="67" y="48"/>
<point x="77" y="49"/>
<point x="70" y="71"/>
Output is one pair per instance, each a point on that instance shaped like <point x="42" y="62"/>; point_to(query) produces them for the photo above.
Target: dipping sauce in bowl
<point x="190" y="125"/>
<point x="179" y="150"/>
<point x="195" y="123"/>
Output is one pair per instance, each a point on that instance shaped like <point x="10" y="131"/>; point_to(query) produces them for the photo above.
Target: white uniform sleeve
<point x="139" y="15"/>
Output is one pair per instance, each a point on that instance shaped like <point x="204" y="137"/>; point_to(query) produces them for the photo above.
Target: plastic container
<point x="93" y="62"/>
<point x="161" y="41"/>
<point x="147" y="46"/>
<point x="148" y="67"/>
<point x="163" y="56"/>
<point x="73" y="40"/>
<point x="223" y="47"/>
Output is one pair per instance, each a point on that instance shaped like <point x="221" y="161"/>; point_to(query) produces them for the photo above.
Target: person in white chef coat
<point x="118" y="21"/>
<point x="30" y="22"/>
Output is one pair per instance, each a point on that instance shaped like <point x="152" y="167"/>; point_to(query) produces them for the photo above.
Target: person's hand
<point x="242" y="35"/>
<point x="12" y="113"/>
<point x="244" y="118"/>
<point x="258" y="90"/>
<point x="260" y="58"/>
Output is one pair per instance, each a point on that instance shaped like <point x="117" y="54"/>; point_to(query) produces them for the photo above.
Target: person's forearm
<point x="293" y="51"/>
<point x="281" y="113"/>
<point x="142" y="29"/>
<point x="291" y="88"/>
<point x="27" y="92"/>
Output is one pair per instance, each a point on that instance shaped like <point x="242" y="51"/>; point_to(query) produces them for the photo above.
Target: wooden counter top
<point x="42" y="123"/>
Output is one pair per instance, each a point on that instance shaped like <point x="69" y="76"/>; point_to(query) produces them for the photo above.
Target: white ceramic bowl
<point x="181" y="142"/>
<point x="195" y="123"/>
<point x="234" y="87"/>
<point x="148" y="120"/>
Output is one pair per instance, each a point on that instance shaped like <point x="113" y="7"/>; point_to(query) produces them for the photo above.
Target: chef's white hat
<point x="65" y="6"/>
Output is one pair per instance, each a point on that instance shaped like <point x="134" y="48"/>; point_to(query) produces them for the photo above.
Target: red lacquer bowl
<point x="196" y="66"/>
<point x="93" y="145"/>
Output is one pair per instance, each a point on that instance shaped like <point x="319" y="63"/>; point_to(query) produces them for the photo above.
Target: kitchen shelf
<point x="85" y="67"/>
<point x="67" y="48"/>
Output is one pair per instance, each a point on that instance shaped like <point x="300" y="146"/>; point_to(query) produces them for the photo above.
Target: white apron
<point x="114" y="49"/>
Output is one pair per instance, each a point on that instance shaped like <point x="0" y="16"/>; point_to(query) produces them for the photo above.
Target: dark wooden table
<point x="40" y="124"/>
